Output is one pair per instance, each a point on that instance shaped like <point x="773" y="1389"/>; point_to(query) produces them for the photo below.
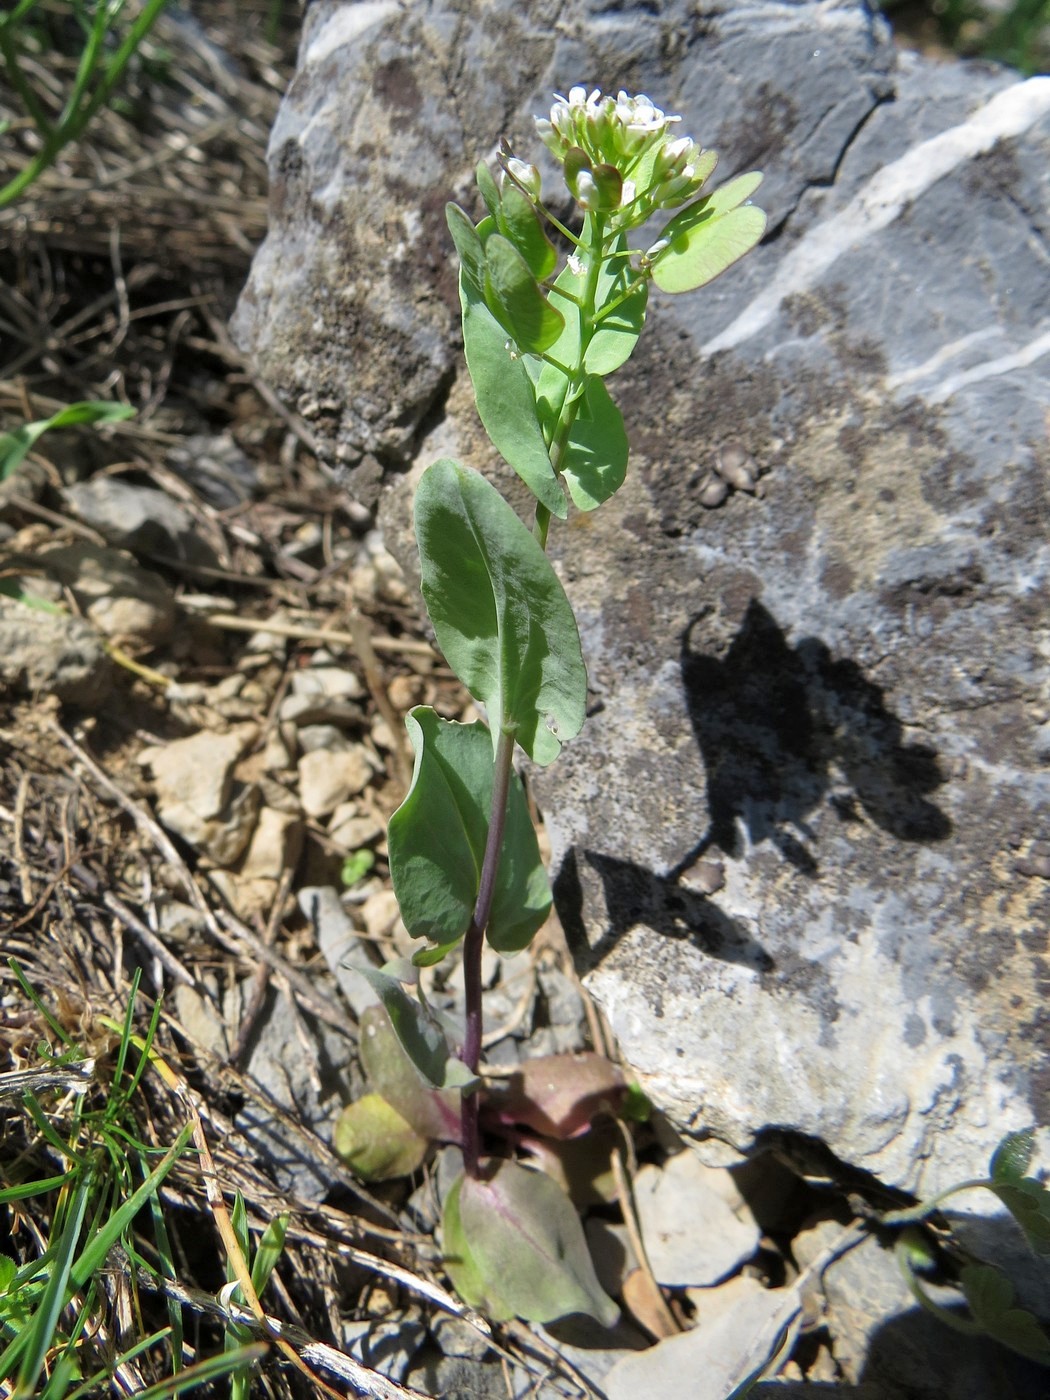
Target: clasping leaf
<point x="499" y="611"/>
<point x="437" y="840"/>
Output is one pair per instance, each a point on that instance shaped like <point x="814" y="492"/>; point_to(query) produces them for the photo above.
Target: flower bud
<point x="524" y="175"/>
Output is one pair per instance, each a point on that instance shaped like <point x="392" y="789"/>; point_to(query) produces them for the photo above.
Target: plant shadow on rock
<point x="775" y="722"/>
<point x="632" y="895"/>
<point x="781" y="729"/>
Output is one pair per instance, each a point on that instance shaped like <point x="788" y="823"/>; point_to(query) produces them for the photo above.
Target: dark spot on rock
<point x="837" y="578"/>
<point x="394" y="84"/>
<point x="914" y="1031"/>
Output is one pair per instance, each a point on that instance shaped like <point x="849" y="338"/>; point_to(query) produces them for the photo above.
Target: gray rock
<point x="122" y="599"/>
<point x="833" y="689"/>
<point x="306" y="1069"/>
<point x="881" y="1338"/>
<point x="139" y="518"/>
<point x="829" y="693"/>
<point x="44" y="653"/>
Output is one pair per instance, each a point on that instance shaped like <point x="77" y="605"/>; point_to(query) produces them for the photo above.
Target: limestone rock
<point x="793" y="844"/>
<point x="139" y="518"/>
<point x="327" y="779"/>
<point x="695" y="1226"/>
<point x="197" y="796"/>
<point x="122" y="599"/>
<point x="45" y="653"/>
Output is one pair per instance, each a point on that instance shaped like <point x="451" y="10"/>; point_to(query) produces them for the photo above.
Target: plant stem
<point x="474" y="943"/>
<point x="591" y="247"/>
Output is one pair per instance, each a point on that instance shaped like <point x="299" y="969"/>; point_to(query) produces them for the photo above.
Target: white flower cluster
<point x="632" y="137"/>
<point x="607" y="129"/>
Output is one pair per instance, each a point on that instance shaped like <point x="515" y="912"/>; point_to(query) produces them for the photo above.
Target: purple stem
<point x="475" y="940"/>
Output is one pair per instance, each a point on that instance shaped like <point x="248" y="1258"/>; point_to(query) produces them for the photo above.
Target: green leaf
<point x="709" y="236"/>
<point x="356" y="866"/>
<point x="519" y="222"/>
<point x="557" y="1096"/>
<point x="1012" y="1157"/>
<point x="506" y="401"/>
<point x="514" y="297"/>
<point x="271" y="1247"/>
<point x="489" y="189"/>
<point x="615" y="334"/>
<point x="595" y="458"/>
<point x="468" y="245"/>
<point x="419" y="1034"/>
<point x="500" y="614"/>
<point x="991" y="1297"/>
<point x="437" y="837"/>
<point x="14" y="446"/>
<point x="514" y="1247"/>
<point x="1028" y="1201"/>
<point x="436" y="1114"/>
<point x="376" y="1142"/>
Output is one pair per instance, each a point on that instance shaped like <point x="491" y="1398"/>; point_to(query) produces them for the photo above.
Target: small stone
<point x="139" y="518"/>
<point x="275" y="845"/>
<point x="120" y="597"/>
<point x="406" y="691"/>
<point x="323" y="736"/>
<point x="736" y="465"/>
<point x="327" y="779"/>
<point x="380" y="914"/>
<point x="43" y="653"/>
<point x="319" y="709"/>
<point x="712" y="491"/>
<point x="197" y="797"/>
<point x="333" y="682"/>
<point x="684" y="1189"/>
<point x="352" y="829"/>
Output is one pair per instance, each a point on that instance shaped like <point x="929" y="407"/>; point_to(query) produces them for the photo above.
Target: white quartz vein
<point x="892" y="189"/>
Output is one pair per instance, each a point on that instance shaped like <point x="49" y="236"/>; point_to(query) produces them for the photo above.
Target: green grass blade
<point x="94" y="1256"/>
<point x="35" y="1188"/>
<point x="32" y="1345"/>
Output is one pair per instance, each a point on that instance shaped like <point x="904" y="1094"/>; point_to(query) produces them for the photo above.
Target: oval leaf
<point x="376" y="1142"/>
<point x="709" y="236"/>
<point x="557" y="1095"/>
<point x="468" y="245"/>
<point x="419" y="1034"/>
<point x="513" y="296"/>
<point x="506" y="401"/>
<point x="435" y="1114"/>
<point x="1012" y="1157"/>
<point x="595" y="458"/>
<point x="519" y="222"/>
<point x="437" y="838"/>
<point x="488" y="187"/>
<point x="514" y="1247"/>
<point x="500" y="614"/>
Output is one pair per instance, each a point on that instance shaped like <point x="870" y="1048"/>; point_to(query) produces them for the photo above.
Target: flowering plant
<point x="540" y="342"/>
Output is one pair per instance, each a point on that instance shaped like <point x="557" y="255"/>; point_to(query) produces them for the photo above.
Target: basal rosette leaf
<point x="709" y="236"/>
<point x="434" y="1113"/>
<point x="419" y="1034"/>
<point x="499" y="611"/>
<point x="595" y="459"/>
<point x="514" y="1247"/>
<point x="437" y="838"/>
<point x="376" y="1141"/>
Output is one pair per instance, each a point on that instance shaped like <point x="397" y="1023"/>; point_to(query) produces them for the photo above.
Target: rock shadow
<point x="633" y="895"/>
<point x="774" y="722"/>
